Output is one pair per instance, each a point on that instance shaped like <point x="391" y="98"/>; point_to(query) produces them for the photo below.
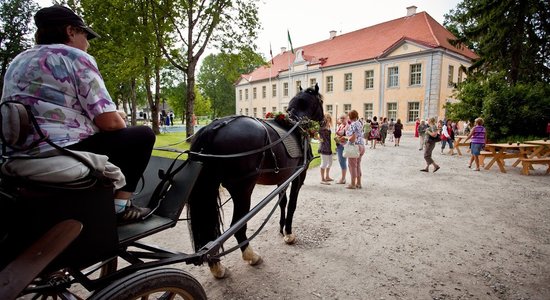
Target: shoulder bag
<point x="351" y="151"/>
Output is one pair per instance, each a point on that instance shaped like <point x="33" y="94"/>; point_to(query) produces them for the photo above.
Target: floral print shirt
<point x="64" y="89"/>
<point x="357" y="128"/>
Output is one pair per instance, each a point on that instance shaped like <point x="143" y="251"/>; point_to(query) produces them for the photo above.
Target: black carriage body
<point x="30" y="209"/>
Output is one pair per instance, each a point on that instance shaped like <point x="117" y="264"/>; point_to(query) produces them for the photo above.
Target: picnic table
<point x="460" y="140"/>
<point x="501" y="152"/>
<point x="542" y="150"/>
<point x="540" y="155"/>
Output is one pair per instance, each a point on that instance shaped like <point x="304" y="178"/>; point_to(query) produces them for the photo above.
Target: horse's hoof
<point x="251" y="257"/>
<point x="218" y="270"/>
<point x="290" y="239"/>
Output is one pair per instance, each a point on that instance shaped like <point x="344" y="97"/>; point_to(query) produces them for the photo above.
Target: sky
<point x="310" y="21"/>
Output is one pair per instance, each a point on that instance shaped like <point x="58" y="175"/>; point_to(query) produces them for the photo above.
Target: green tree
<point x="196" y="25"/>
<point x="15" y="29"/>
<point x="218" y="74"/>
<point x="203" y="105"/>
<point x="521" y="109"/>
<point x="509" y="84"/>
<point x="508" y="35"/>
<point x="128" y="53"/>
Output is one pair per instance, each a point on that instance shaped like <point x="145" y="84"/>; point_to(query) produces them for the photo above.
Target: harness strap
<point x="166" y="182"/>
<point x="270" y="148"/>
<point x="246" y="153"/>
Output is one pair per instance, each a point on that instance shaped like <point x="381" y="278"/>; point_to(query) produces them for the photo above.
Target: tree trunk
<point x="133" y="100"/>
<point x="190" y="109"/>
<point x="157" y="86"/>
<point x="152" y="104"/>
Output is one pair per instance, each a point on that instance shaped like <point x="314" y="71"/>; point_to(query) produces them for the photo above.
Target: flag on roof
<point x="290" y="41"/>
<point x="271" y="53"/>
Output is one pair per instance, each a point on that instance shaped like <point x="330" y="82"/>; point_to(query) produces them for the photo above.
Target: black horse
<point x="240" y="152"/>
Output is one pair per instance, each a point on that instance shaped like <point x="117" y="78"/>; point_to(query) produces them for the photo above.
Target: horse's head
<point x="307" y="103"/>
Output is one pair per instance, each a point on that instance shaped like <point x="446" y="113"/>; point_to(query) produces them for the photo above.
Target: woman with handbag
<point x="432" y="136"/>
<point x="340" y="139"/>
<point x="355" y="139"/>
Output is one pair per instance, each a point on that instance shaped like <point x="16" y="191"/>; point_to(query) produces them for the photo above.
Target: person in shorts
<point x="479" y="139"/>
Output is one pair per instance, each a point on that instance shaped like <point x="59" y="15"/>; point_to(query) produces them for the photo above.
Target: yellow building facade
<point x="404" y="78"/>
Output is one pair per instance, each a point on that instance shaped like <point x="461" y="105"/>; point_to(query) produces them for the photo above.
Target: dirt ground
<point x="454" y="234"/>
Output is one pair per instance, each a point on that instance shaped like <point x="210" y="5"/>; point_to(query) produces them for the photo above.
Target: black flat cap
<point x="60" y="15"/>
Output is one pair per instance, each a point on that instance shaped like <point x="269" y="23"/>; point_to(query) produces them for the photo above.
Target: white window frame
<point x="312" y="82"/>
<point x="348" y="82"/>
<point x="392" y="111"/>
<point x="368" y="109"/>
<point x="330" y="84"/>
<point x="347" y="108"/>
<point x="413" y="112"/>
<point x="451" y="76"/>
<point x="285" y="89"/>
<point x="369" y="79"/>
<point x="415" y="76"/>
<point x="393" y="77"/>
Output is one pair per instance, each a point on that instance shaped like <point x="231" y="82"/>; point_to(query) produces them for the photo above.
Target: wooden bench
<point x="482" y="156"/>
<point x="528" y="162"/>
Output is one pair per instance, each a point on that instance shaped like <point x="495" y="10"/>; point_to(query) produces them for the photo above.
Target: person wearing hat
<point x="62" y="85"/>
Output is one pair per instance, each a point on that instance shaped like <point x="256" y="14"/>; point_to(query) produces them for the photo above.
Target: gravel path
<point x="454" y="234"/>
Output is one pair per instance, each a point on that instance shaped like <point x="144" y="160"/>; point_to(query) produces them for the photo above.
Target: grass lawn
<point x="175" y="140"/>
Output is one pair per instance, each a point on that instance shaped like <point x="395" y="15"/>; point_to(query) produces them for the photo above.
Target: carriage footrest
<point x="134" y="231"/>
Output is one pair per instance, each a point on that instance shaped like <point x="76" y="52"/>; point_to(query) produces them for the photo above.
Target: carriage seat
<point x="62" y="168"/>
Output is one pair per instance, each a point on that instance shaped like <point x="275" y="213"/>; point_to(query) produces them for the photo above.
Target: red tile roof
<point x="367" y="43"/>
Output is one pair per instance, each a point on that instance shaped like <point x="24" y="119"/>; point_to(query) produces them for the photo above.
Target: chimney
<point x="332" y="34"/>
<point x="411" y="10"/>
<point x="283" y="49"/>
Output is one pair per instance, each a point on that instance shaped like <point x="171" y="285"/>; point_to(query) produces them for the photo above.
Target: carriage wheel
<point x="163" y="283"/>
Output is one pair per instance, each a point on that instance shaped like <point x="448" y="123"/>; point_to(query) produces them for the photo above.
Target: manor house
<point x="404" y="68"/>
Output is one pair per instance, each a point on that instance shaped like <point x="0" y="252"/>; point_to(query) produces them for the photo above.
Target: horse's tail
<point x="203" y="209"/>
<point x="203" y="206"/>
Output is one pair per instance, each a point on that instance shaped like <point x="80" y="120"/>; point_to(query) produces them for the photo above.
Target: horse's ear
<point x="316" y="87"/>
<point x="301" y="88"/>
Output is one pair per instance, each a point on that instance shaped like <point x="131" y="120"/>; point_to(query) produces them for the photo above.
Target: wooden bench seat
<point x="528" y="162"/>
<point x="482" y="156"/>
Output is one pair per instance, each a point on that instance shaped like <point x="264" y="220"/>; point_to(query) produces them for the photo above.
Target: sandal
<point x="351" y="187"/>
<point x="132" y="213"/>
<point x="341" y="182"/>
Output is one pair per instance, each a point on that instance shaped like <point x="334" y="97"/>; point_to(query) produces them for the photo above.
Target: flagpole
<point x="270" y="87"/>
<point x="289" y="68"/>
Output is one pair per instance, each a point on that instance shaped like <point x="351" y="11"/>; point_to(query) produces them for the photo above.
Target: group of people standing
<point x="352" y="130"/>
<point x="349" y="130"/>
<point x="377" y="133"/>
